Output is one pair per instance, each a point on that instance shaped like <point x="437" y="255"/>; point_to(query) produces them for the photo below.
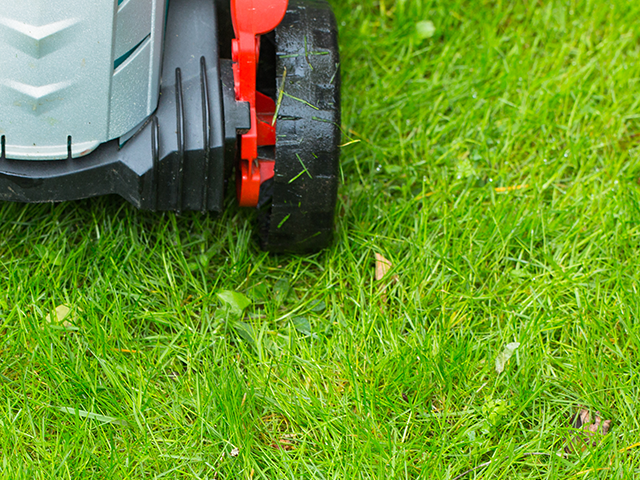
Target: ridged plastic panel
<point x="60" y="90"/>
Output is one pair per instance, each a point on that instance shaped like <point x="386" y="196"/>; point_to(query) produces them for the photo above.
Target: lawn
<point x="491" y="156"/>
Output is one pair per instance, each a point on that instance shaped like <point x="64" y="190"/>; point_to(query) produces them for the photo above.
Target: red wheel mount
<point x="252" y="18"/>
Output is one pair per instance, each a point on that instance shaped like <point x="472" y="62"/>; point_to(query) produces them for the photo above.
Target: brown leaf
<point x="590" y="434"/>
<point x="382" y="269"/>
<point x="286" y="444"/>
<point x="382" y="266"/>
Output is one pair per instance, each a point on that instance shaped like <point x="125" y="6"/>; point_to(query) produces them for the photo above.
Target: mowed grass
<point x="497" y="170"/>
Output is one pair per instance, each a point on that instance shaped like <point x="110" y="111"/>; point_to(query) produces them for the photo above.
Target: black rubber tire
<point x="297" y="207"/>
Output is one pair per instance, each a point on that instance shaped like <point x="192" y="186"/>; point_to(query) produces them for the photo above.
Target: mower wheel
<point x="297" y="205"/>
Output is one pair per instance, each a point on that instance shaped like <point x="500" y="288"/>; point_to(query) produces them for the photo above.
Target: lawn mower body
<point x="133" y="97"/>
<point x="76" y="74"/>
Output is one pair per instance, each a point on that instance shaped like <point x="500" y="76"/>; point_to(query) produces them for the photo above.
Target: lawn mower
<point x="160" y="101"/>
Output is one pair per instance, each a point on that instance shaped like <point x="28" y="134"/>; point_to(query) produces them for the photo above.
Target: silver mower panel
<point x="177" y="158"/>
<point x="76" y="73"/>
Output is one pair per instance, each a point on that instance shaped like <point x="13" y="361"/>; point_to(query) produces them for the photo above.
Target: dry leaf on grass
<point x="283" y="444"/>
<point x="590" y="433"/>
<point x="503" y="358"/>
<point x="60" y="317"/>
<point x="382" y="269"/>
<point x="382" y="266"/>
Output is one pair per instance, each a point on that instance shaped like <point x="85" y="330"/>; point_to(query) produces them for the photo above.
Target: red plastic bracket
<point x="252" y="18"/>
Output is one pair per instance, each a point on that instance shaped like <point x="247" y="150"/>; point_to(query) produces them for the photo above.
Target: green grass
<point x="324" y="376"/>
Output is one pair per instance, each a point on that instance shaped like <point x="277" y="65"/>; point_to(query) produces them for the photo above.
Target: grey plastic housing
<point x="180" y="157"/>
<point x="76" y="73"/>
